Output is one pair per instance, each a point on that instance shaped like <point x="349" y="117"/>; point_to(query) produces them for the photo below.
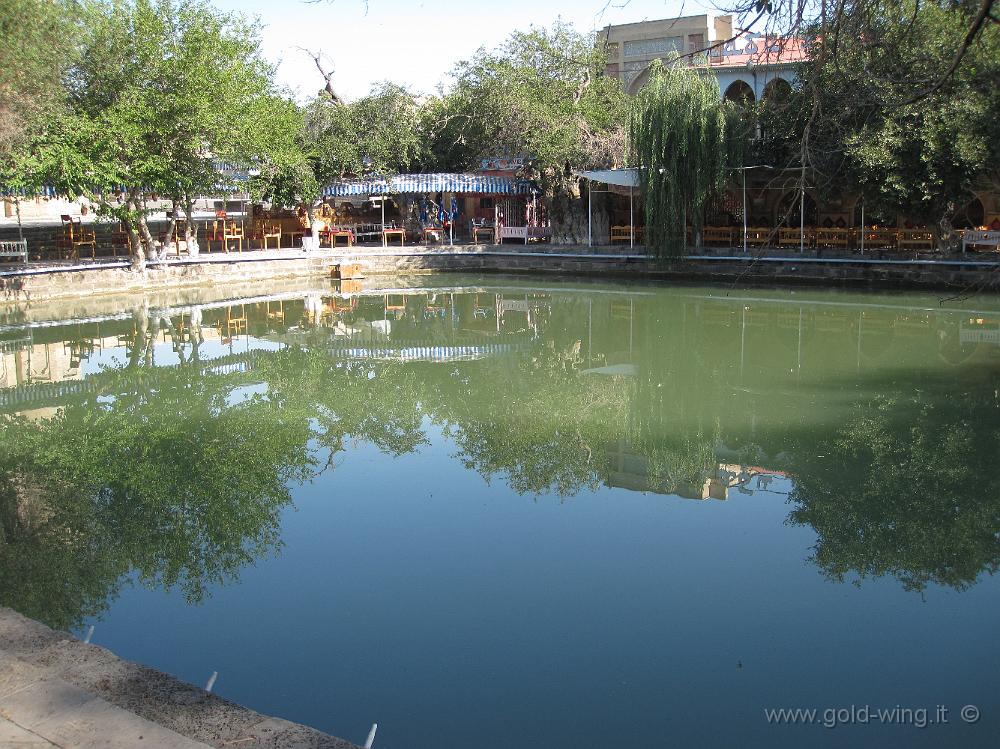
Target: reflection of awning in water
<point x="402" y="352"/>
<point x="625" y="370"/>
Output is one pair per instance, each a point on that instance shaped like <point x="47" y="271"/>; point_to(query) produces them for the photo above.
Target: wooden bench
<point x="621" y="234"/>
<point x="880" y="239"/>
<point x="836" y="238"/>
<point x="916" y="239"/>
<point x="981" y="238"/>
<point x="758" y="236"/>
<point x="788" y="237"/>
<point x="17" y="249"/>
<point x="717" y="235"/>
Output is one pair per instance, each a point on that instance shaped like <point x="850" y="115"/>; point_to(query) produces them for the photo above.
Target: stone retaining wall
<point x="964" y="276"/>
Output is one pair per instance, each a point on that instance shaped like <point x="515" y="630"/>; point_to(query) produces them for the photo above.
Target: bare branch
<point x="317" y="58"/>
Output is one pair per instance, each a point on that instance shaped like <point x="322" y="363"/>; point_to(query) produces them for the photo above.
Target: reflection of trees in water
<point x="169" y="478"/>
<point x="165" y="481"/>
<point x="534" y="421"/>
<point x="907" y="488"/>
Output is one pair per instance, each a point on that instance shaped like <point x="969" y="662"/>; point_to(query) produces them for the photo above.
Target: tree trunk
<point x="568" y="213"/>
<point x="171" y="225"/>
<point x="190" y="229"/>
<point x="132" y="223"/>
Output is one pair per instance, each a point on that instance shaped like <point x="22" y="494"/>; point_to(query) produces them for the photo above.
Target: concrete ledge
<point x="81" y="280"/>
<point x="70" y="694"/>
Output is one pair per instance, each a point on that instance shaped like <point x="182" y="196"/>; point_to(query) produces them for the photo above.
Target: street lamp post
<point x="744" y="170"/>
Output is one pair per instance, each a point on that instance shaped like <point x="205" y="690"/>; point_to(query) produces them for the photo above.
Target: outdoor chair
<point x="121" y="240"/>
<point x="232" y="232"/>
<point x="214" y="233"/>
<point x="270" y="231"/>
<point x="75" y="236"/>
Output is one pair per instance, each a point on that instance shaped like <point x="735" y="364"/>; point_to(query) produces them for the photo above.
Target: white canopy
<point x="620" y="177"/>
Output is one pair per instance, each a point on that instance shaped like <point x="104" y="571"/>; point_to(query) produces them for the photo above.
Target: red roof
<point x="772" y="50"/>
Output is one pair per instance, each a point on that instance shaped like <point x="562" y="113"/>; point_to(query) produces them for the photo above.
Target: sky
<point x="416" y="43"/>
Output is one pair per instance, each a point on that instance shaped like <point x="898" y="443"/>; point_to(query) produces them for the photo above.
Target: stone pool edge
<point x="60" y="658"/>
<point x="961" y="274"/>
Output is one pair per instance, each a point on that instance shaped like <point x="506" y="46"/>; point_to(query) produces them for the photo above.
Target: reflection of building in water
<point x="23" y="362"/>
<point x="980" y="330"/>
<point x="631" y="470"/>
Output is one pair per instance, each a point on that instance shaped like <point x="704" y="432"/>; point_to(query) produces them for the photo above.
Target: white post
<point x="862" y="226"/>
<point x="211" y="681"/>
<point x="631" y="221"/>
<point x="802" y="218"/>
<point x="590" y="211"/>
<point x="371" y="736"/>
<point x="744" y="209"/>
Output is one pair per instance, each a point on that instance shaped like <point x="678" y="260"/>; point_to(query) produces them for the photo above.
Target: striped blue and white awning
<point x="45" y="191"/>
<point x="403" y="184"/>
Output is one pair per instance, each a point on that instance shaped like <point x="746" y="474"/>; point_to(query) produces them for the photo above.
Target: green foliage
<point x="172" y="485"/>
<point x="159" y="91"/>
<point x="923" y="158"/>
<point x="38" y="44"/>
<point x="906" y="488"/>
<point x="683" y="140"/>
<point x="542" y="94"/>
<point x="377" y="134"/>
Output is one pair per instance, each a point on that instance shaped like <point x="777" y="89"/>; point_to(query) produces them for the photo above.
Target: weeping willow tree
<point x="682" y="137"/>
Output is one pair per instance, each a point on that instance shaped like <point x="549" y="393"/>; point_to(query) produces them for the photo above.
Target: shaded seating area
<point x="437" y="207"/>
<point x="833" y="238"/>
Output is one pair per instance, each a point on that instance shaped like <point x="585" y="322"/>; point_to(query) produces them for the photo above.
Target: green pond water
<point x="527" y="512"/>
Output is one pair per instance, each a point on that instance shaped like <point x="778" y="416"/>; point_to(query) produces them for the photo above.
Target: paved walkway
<point x="37" y="710"/>
<point x="58" y="691"/>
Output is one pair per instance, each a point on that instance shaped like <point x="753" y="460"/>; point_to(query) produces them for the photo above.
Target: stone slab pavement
<point x="58" y="691"/>
<point x="37" y="710"/>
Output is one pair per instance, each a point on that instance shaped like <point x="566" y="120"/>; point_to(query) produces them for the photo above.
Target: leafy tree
<point x="684" y="140"/>
<point x="899" y="102"/>
<point x="543" y="95"/>
<point x="38" y="43"/>
<point x="162" y="90"/>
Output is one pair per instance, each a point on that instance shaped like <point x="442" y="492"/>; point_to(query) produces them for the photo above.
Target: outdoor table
<point x="334" y="233"/>
<point x="386" y="233"/>
<point x="433" y="231"/>
<point x="488" y="230"/>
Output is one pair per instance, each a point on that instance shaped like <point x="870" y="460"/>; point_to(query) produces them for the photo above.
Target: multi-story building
<point x="747" y="66"/>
